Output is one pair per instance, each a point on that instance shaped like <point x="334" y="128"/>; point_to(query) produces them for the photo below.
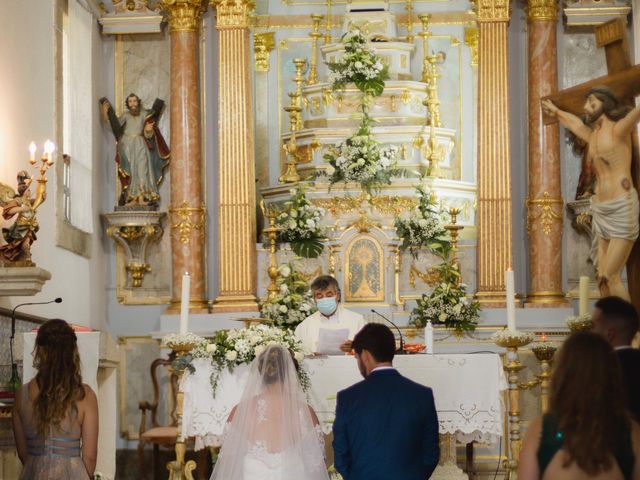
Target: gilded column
<point x="544" y="202"/>
<point x="236" y="185"/>
<point x="494" y="169"/>
<point x="187" y="210"/>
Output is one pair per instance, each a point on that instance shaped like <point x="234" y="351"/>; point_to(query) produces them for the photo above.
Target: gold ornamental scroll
<point x="236" y="176"/>
<point x="494" y="157"/>
<point x="187" y="201"/>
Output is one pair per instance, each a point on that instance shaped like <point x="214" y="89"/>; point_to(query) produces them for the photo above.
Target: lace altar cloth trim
<point x="467" y="390"/>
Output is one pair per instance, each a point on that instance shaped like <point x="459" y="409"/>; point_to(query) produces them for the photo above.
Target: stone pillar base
<point x="546" y="299"/>
<point x="235" y="303"/>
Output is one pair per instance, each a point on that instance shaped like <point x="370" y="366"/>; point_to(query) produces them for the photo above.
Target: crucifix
<point x="608" y="144"/>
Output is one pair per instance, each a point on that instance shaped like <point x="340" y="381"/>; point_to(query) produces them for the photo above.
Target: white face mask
<point x="327" y="305"/>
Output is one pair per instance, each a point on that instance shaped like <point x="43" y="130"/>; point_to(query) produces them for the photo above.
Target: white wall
<point x="27" y="108"/>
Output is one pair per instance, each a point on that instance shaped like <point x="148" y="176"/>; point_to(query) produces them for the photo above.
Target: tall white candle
<point x="184" y="303"/>
<point x="428" y="338"/>
<point x="511" y="299"/>
<point x="584" y="296"/>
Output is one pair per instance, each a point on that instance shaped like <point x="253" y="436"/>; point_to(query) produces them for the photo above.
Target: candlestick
<point x="428" y="338"/>
<point x="184" y="303"/>
<point x="511" y="300"/>
<point x="32" y="153"/>
<point x="584" y="296"/>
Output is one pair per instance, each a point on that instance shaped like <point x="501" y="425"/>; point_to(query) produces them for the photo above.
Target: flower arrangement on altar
<point x="447" y="305"/>
<point x="578" y="323"/>
<point x="300" y="223"/>
<point x="293" y="302"/>
<point x="359" y="65"/>
<point x="506" y="336"/>
<point x="424" y="227"/>
<point x="231" y="348"/>
<point x="360" y="158"/>
<point x="178" y="340"/>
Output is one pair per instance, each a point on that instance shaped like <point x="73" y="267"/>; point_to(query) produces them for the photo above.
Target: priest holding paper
<point x="331" y="329"/>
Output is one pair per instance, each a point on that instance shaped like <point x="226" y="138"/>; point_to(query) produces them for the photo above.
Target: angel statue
<point x="22" y="233"/>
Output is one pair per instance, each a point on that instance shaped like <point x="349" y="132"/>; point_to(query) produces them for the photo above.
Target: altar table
<point x="467" y="389"/>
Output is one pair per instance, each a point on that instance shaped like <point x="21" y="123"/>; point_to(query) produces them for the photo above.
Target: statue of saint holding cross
<point x="607" y="129"/>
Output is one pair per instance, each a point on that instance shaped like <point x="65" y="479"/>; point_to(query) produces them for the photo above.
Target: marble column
<point x="236" y="173"/>
<point x="187" y="211"/>
<point x="544" y="202"/>
<point x="494" y="169"/>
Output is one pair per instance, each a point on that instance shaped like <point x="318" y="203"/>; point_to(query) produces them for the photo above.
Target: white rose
<point x="457" y="308"/>
<point x="259" y="349"/>
<point x="311" y="223"/>
<point x="211" y="347"/>
<point x="293" y="213"/>
<point x="285" y="271"/>
<point x="254" y="339"/>
<point x="299" y="356"/>
<point x="358" y="65"/>
<point x="231" y="355"/>
<point x="284" y="289"/>
<point x="422" y="222"/>
<point x="330" y="170"/>
<point x="292" y="224"/>
<point x="442" y="317"/>
<point x="283" y="308"/>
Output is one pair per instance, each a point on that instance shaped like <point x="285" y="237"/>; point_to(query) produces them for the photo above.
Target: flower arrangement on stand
<point x="293" y="302"/>
<point x="231" y="348"/>
<point x="361" y="159"/>
<point x="447" y="305"/>
<point x="359" y="65"/>
<point x="423" y="228"/>
<point x="300" y="223"/>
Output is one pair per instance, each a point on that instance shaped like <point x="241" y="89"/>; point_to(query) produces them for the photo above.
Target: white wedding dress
<point x="273" y="433"/>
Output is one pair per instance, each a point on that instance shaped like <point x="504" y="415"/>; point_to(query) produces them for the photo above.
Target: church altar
<point x="467" y="389"/>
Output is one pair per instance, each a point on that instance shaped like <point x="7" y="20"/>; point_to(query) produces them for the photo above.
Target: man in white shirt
<point x="330" y="316"/>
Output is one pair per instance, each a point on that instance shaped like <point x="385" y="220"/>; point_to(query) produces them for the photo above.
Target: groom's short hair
<point x="378" y="340"/>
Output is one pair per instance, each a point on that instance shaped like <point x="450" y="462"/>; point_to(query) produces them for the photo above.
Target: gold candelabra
<point x="315" y="35"/>
<point x="544" y="353"/>
<point x="425" y="34"/>
<point x="409" y="8"/>
<point x="454" y="230"/>
<point x="291" y="147"/>
<point x="296" y="97"/>
<point x="434" y="152"/>
<point x="272" y="235"/>
<point x="327" y="33"/>
<point x="178" y="468"/>
<point x="512" y="367"/>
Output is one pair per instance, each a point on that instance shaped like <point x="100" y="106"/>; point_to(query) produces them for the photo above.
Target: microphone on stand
<point x="401" y="351"/>
<point x="13" y="329"/>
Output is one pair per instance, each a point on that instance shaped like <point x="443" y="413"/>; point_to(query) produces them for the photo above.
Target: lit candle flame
<point x="32" y="151"/>
<point x="543" y="337"/>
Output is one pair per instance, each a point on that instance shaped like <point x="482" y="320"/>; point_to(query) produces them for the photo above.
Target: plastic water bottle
<point x="428" y="338"/>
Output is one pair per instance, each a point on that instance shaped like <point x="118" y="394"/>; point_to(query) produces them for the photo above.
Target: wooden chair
<point x="162" y="435"/>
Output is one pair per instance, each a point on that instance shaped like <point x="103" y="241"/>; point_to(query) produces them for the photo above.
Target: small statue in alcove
<point x="142" y="154"/>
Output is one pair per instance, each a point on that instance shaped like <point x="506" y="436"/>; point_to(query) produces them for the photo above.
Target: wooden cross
<point x="624" y="80"/>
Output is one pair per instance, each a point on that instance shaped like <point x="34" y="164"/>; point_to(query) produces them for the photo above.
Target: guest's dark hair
<point x="588" y="399"/>
<point x="323" y="282"/>
<point x="271" y="363"/>
<point x="620" y="315"/>
<point x="378" y="340"/>
<point x="59" y="379"/>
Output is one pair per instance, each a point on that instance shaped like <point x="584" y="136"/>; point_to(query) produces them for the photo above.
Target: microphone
<point x="401" y="351"/>
<point x="13" y="329"/>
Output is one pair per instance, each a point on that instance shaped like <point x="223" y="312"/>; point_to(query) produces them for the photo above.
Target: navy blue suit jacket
<point x="386" y="428"/>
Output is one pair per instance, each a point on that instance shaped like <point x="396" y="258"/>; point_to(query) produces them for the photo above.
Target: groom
<point x="386" y="426"/>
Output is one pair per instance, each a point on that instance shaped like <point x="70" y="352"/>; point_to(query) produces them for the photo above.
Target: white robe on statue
<point x="308" y="331"/>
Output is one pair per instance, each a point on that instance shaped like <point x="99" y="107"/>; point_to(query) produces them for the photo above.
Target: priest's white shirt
<point x="308" y="331"/>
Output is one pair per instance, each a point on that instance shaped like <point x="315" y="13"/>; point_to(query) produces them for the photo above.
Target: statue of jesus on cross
<point x="607" y="130"/>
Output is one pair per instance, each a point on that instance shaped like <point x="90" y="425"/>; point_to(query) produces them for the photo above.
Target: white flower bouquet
<point x="423" y="228"/>
<point x="230" y="348"/>
<point x="301" y="225"/>
<point x="359" y="65"/>
<point x="293" y="302"/>
<point x="447" y="305"/>
<point x="361" y="159"/>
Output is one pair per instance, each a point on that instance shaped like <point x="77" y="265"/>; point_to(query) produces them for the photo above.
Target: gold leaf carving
<point x="186" y="219"/>
<point x="545" y="212"/>
<point x="183" y="15"/>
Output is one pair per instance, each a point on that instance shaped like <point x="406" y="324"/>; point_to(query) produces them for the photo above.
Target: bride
<point x="272" y="434"/>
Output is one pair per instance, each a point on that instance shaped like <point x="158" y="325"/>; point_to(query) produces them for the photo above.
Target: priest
<point x="330" y="322"/>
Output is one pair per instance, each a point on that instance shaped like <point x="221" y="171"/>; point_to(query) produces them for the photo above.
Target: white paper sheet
<point x="329" y="340"/>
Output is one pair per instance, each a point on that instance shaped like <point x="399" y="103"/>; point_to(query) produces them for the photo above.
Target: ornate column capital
<point x="493" y="10"/>
<point x="183" y="15"/>
<point x="542" y="10"/>
<point x="471" y="40"/>
<point x="233" y="13"/>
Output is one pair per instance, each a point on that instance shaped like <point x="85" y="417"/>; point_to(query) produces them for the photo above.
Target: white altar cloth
<point x="467" y="390"/>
